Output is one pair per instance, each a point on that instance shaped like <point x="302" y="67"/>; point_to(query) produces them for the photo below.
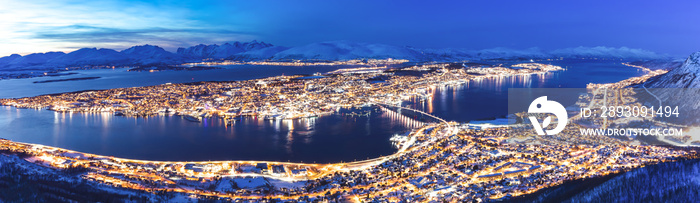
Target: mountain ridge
<point x="685" y="76"/>
<point x="225" y="50"/>
<point x="141" y="55"/>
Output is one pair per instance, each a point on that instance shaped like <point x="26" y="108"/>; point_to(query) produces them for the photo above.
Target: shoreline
<point x="440" y="152"/>
<point x="59" y="158"/>
<point x="377" y="94"/>
<point x="67" y="79"/>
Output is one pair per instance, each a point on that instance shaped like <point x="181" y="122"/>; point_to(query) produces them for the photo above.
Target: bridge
<point x="404" y="148"/>
<point x="417" y="111"/>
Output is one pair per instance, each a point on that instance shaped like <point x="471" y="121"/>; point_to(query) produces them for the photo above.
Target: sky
<point x="666" y="27"/>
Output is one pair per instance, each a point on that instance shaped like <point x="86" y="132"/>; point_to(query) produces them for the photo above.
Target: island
<point x="67" y="79"/>
<point x="281" y="97"/>
<point x="439" y="161"/>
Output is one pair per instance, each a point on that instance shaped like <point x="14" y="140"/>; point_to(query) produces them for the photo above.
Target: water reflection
<point x="118" y="78"/>
<point x="332" y="138"/>
<point x="345" y="136"/>
<point x="481" y="98"/>
<point x="487" y="97"/>
<point x="398" y="118"/>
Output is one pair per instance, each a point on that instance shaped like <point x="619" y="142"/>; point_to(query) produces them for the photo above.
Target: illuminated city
<point x="349" y="101"/>
<point x="441" y="160"/>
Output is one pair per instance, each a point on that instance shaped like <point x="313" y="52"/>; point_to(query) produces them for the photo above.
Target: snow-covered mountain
<point x="345" y="50"/>
<point x="331" y="51"/>
<point x="28" y="60"/>
<point x="226" y="50"/>
<point x="149" y="54"/>
<point x="664" y="182"/>
<point x="536" y="53"/>
<point x="685" y="76"/>
<point x="200" y="51"/>
<point x="88" y="56"/>
<point x="678" y="87"/>
<point x="258" y="54"/>
<point x="136" y="55"/>
<point x="7" y="59"/>
<point x="605" y="52"/>
<point x="508" y="53"/>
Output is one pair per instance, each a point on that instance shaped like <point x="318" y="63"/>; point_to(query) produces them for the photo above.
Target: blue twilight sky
<point x="671" y="27"/>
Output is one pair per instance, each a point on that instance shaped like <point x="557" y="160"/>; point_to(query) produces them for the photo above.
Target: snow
<point x="200" y="50"/>
<point x="286" y="184"/>
<point x="665" y="182"/>
<point x="224" y="51"/>
<point x="332" y="50"/>
<point x="27" y="168"/>
<point x="346" y="50"/>
<point x="8" y="59"/>
<point x="182" y="198"/>
<point x="149" y="54"/>
<point x="681" y="77"/>
<point x="71" y="155"/>
<point x="259" y="54"/>
<point x="608" y="52"/>
<point x="250" y="182"/>
<point x="225" y="185"/>
<point x="87" y="56"/>
<point x="36" y="58"/>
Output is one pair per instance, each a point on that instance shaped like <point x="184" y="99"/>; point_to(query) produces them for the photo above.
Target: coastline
<point x="434" y="143"/>
<point x="376" y="94"/>
<point x="67" y="79"/>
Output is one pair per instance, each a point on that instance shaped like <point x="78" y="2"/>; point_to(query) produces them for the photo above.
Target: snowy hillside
<point x="605" y="52"/>
<point x="149" y="54"/>
<point x="226" y="50"/>
<point x="327" y="51"/>
<point x="666" y="182"/>
<point x="27" y="61"/>
<point x="345" y="50"/>
<point x="685" y="76"/>
<point x="88" y="56"/>
<point x="258" y="54"/>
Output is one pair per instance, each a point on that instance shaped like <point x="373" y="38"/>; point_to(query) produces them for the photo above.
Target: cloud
<point x="92" y="33"/>
<point x="61" y="25"/>
<point x="167" y="37"/>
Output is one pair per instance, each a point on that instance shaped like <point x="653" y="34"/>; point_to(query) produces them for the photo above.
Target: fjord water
<point x="118" y="78"/>
<point x="324" y="139"/>
<point x="331" y="138"/>
<point x="487" y="99"/>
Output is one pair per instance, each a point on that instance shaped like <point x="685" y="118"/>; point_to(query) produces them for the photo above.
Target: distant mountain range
<point x="224" y="51"/>
<point x="326" y="51"/>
